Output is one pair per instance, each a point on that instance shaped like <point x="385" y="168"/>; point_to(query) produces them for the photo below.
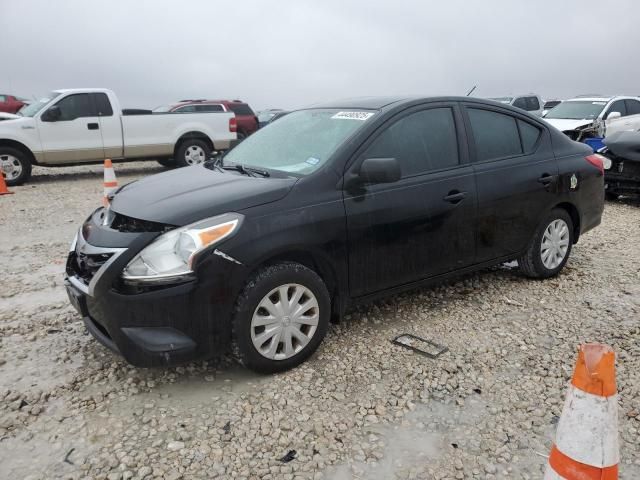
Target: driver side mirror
<point x="613" y="115"/>
<point x="380" y="170"/>
<point x="53" y="114"/>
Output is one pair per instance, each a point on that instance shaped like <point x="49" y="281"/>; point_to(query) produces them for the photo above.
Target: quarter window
<point x="422" y="142"/>
<point x="103" y="105"/>
<point x="76" y="106"/>
<point x="495" y="134"/>
<point x="529" y="135"/>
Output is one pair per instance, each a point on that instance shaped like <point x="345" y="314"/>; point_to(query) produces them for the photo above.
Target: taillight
<point x="233" y="124"/>
<point x="597" y="161"/>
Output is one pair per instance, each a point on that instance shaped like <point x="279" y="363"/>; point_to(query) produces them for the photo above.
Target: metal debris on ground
<point x="291" y="454"/>
<point x="420" y="345"/>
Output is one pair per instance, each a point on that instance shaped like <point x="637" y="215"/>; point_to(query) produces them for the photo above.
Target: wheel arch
<point x="574" y="213"/>
<point x="317" y="262"/>
<point x="5" y="142"/>
<point x="194" y="134"/>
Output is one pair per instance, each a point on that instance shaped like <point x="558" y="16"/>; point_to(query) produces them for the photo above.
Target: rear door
<point x="110" y="126"/>
<point x="75" y="136"/>
<point x="422" y="225"/>
<point x="516" y="175"/>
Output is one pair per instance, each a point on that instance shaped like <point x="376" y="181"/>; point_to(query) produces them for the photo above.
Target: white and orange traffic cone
<point x="586" y="446"/>
<point x="110" y="182"/>
<point x="3" y="185"/>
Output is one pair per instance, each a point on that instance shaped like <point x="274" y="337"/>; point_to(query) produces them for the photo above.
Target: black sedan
<point x="328" y="207"/>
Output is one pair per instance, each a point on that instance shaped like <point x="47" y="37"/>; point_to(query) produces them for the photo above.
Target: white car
<point x="593" y="116"/>
<point x="87" y="125"/>
<point x="530" y="102"/>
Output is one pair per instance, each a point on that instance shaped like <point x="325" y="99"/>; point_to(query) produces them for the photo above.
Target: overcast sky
<point x="288" y="53"/>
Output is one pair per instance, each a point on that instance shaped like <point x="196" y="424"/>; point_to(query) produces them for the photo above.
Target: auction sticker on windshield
<point x="353" y="115"/>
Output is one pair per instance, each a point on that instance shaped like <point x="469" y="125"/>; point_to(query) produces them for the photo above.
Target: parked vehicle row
<point x="329" y="206"/>
<point x="246" y="120"/>
<point x="88" y="125"/>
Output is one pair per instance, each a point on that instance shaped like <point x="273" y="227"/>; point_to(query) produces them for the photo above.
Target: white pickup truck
<point x="87" y="125"/>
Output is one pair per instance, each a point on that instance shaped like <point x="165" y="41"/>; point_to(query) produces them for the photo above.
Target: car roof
<point x="600" y="98"/>
<point x="380" y="103"/>
<point x="83" y="90"/>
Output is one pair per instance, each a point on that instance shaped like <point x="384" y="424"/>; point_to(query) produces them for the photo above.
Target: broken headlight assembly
<point x="170" y="257"/>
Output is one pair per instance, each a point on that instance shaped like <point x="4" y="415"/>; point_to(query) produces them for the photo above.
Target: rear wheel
<point x="280" y="318"/>
<point x="550" y="246"/>
<point x="16" y="166"/>
<point x="192" y="151"/>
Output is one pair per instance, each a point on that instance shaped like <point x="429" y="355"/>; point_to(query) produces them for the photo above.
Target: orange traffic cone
<point x="3" y="186"/>
<point x="110" y="182"/>
<point x="586" y="446"/>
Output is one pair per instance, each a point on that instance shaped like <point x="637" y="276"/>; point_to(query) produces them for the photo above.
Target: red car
<point x="246" y="119"/>
<point x="11" y="104"/>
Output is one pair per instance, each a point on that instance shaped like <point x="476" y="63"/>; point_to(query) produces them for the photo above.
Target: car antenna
<point x="471" y="91"/>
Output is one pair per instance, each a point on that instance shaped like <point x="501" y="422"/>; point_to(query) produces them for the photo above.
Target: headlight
<point x="171" y="255"/>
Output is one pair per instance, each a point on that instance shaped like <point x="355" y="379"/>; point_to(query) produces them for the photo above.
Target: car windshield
<point x="502" y="99"/>
<point x="577" y="110"/>
<point x="301" y="142"/>
<point x="33" y="108"/>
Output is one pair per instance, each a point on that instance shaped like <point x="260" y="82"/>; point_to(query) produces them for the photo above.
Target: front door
<point x="423" y="224"/>
<point x="75" y="136"/>
<point x="516" y="175"/>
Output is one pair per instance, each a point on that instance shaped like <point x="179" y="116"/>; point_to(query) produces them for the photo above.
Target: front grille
<point x="85" y="266"/>
<point x="123" y="223"/>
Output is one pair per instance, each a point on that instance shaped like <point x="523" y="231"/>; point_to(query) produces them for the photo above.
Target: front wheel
<point x="550" y="247"/>
<point x="280" y="318"/>
<point x="192" y="151"/>
<point x="16" y="166"/>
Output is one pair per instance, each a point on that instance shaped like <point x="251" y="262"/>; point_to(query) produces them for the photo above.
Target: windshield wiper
<point x="250" y="171"/>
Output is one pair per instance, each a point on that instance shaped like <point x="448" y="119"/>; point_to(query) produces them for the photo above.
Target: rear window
<point x="240" y="108"/>
<point x="495" y="134"/>
<point x="520" y="102"/>
<point x="532" y="104"/>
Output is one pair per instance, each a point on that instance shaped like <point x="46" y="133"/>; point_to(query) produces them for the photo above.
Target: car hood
<point x="189" y="194"/>
<point x="8" y="116"/>
<point x="564" y="124"/>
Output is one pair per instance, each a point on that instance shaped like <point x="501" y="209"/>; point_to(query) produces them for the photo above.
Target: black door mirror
<point x="380" y="170"/>
<point x="52" y="115"/>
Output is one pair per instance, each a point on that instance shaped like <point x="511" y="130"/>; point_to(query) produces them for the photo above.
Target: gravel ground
<point x="360" y="408"/>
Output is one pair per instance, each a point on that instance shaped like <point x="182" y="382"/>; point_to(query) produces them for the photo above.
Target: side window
<point x="3" y="98"/>
<point x="186" y="109"/>
<point x="520" y="102"/>
<point x="633" y="107"/>
<point x="103" y="105"/>
<point x="422" y="142"/>
<point x="209" y="108"/>
<point x="76" y="106"/>
<point x="529" y="135"/>
<point x="617" y="106"/>
<point x="495" y="134"/>
<point x="240" y="109"/>
<point x="532" y="104"/>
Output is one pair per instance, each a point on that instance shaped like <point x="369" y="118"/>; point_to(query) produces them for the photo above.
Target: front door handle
<point x="92" y="126"/>
<point x="454" y="196"/>
<point x="547" y="179"/>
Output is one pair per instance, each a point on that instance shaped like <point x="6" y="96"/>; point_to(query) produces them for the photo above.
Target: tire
<point x="192" y="151"/>
<point x="16" y="166"/>
<point x="167" y="162"/>
<point x="241" y="136"/>
<point x="265" y="286"/>
<point x="533" y="263"/>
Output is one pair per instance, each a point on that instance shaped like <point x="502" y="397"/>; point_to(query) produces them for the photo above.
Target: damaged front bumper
<point x="156" y="325"/>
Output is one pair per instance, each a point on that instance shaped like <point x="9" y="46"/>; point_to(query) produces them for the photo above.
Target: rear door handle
<point x="547" y="179"/>
<point x="92" y="126"/>
<point x="454" y="196"/>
